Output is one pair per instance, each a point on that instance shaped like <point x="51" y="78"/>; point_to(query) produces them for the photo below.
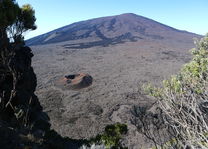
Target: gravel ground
<point x="118" y="73"/>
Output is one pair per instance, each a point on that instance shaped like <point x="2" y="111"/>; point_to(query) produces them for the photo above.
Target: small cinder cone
<point x="75" y="81"/>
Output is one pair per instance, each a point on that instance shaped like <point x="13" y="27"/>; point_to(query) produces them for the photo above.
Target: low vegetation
<point x="111" y="137"/>
<point x="183" y="104"/>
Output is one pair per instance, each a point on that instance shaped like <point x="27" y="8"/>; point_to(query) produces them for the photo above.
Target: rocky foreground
<point x="23" y="124"/>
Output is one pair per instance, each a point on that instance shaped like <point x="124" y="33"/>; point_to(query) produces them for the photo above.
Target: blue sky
<point x="190" y="15"/>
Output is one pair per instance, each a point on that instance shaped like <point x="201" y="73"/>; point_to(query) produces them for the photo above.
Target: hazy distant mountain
<point x="111" y="30"/>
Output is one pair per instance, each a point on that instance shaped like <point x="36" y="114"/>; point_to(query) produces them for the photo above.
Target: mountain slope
<point x="111" y="30"/>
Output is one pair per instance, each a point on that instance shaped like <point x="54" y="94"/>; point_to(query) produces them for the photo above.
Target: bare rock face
<point x="75" y="81"/>
<point x="20" y="108"/>
<point x="19" y="104"/>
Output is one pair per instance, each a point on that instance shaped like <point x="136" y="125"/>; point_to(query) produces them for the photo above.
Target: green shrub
<point x="112" y="136"/>
<point x="183" y="99"/>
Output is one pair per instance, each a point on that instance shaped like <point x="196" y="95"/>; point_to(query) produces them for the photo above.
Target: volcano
<point x="111" y="30"/>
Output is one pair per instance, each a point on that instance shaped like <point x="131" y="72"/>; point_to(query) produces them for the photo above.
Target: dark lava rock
<point x="19" y="105"/>
<point x="23" y="124"/>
